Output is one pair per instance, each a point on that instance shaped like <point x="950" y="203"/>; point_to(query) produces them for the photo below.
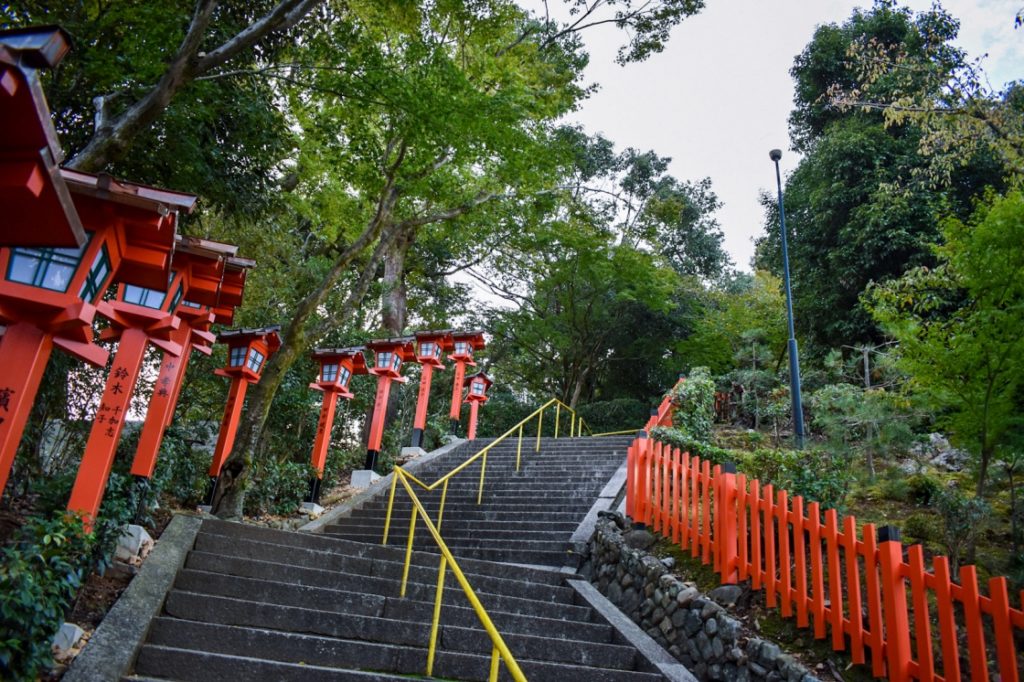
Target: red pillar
<point x="380" y="411"/>
<point x="730" y="541"/>
<point x="474" y="406"/>
<point x="106" y="429"/>
<point x="323" y="432"/>
<point x="161" y="409"/>
<point x="420" y="421"/>
<point x="894" y="604"/>
<point x="229" y="425"/>
<point x="24" y="351"/>
<point x="456" y="411"/>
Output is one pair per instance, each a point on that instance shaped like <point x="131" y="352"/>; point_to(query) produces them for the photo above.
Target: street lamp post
<point x="794" y="359"/>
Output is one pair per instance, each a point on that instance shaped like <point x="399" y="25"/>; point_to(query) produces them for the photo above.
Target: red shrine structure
<point x="464" y="345"/>
<point x="49" y="295"/>
<point x="38" y="210"/>
<point x="140" y="316"/>
<point x="248" y="351"/>
<point x="430" y="346"/>
<point x="337" y="367"/>
<point x="389" y="354"/>
<point x="478" y="384"/>
<point x="211" y="263"/>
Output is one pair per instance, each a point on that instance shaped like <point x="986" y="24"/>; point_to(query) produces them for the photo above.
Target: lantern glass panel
<point x="462" y="348"/>
<point x="237" y="358"/>
<point x="478" y="388"/>
<point x="189" y="304"/>
<point x="329" y="372"/>
<point x="256" y="359"/>
<point x="345" y="376"/>
<point x="396" y="362"/>
<point x="177" y="297"/>
<point x="47" y="268"/>
<point x="96" y="280"/>
<point x="383" y="359"/>
<point x="427" y="349"/>
<point x="147" y="298"/>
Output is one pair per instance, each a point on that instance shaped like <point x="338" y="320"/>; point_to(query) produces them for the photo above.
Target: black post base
<point x="417" y="438"/>
<point x="142" y="488"/>
<point x="211" y="491"/>
<point x="455" y="427"/>
<point x="314" y="490"/>
<point x="371" y="460"/>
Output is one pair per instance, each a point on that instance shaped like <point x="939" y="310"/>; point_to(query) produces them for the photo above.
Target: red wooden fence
<point x="860" y="589"/>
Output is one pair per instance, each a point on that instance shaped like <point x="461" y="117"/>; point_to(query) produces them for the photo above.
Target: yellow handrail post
<point x="440" y="511"/>
<point x="391" y="502"/>
<point x="437" y="615"/>
<point x="540" y="427"/>
<point x="494" y="664"/>
<point x="519" y="447"/>
<point x="558" y="415"/>
<point x="483" y="469"/>
<point x="408" y="550"/>
<point x="572" y="426"/>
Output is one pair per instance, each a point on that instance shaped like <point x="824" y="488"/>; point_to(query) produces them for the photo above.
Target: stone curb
<point x="110" y="653"/>
<point x="653" y="653"/>
<point x="378" y="487"/>
<point x="581" y="536"/>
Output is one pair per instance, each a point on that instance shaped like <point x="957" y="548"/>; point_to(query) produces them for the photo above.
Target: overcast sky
<point x="717" y="99"/>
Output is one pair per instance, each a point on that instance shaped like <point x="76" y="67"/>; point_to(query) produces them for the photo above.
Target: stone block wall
<point x="693" y="628"/>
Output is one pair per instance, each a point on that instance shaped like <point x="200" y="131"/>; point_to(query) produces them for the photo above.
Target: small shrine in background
<point x="337" y="367"/>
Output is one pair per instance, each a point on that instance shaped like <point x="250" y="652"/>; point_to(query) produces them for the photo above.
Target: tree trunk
<point x="394" y="303"/>
<point x="230" y="496"/>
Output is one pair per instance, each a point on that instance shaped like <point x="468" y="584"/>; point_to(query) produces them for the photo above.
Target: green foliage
<point x="959" y="325"/>
<point x="921" y="528"/>
<point x="694" y="401"/>
<point x="40" y="573"/>
<point x="687" y="443"/>
<point x="964" y="519"/>
<point x="815" y="474"/>
<point x="278" y="486"/>
<point x="615" y="415"/>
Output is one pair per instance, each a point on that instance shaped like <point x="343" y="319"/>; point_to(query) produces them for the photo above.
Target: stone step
<point x="483" y="515"/>
<point x="519" y="602"/>
<point x="400" y="531"/>
<point x="457" y="525"/>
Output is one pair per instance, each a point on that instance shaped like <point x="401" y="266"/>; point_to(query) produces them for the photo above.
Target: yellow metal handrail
<point x="614" y="433"/>
<point x="499" y="650"/>
<point x="575" y="430"/>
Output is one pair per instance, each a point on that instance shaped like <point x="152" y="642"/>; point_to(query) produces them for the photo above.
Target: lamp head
<point x="775" y="154"/>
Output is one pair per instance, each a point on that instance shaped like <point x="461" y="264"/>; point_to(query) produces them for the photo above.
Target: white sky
<point x="717" y="99"/>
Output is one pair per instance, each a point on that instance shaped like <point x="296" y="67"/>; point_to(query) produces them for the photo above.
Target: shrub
<point x="684" y="441"/>
<point x="615" y="415"/>
<point x="963" y="520"/>
<point x="694" y="399"/>
<point x="278" y="487"/>
<point x="921" y="528"/>
<point x="39" y="576"/>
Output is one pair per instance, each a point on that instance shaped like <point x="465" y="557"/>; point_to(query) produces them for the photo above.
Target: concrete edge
<point x="605" y="500"/>
<point x="651" y="651"/>
<point x="317" y="525"/>
<point x="111" y="652"/>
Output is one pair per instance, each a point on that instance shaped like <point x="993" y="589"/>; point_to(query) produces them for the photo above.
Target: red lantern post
<point x="478" y="384"/>
<point x="218" y="278"/>
<point x="337" y="367"/>
<point x="389" y="354"/>
<point x="49" y="295"/>
<point x="465" y="343"/>
<point x="429" y="347"/>
<point x="248" y="351"/>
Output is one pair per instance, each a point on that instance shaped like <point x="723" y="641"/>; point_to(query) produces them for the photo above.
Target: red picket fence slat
<point x="867" y="593"/>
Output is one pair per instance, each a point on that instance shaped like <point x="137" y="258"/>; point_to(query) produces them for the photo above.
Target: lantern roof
<point x="355" y="353"/>
<point x="246" y="335"/>
<point x="231" y="289"/>
<point x="442" y="337"/>
<point x="482" y="375"/>
<point x="400" y="345"/>
<point x="207" y="263"/>
<point x="146" y="218"/>
<point x="475" y="338"/>
<point x="38" y="209"/>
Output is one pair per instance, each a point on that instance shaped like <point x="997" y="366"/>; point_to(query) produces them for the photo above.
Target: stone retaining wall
<point x="694" y="629"/>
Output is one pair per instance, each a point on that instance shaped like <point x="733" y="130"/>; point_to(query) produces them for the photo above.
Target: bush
<point x="816" y="475"/>
<point x="615" y="415"/>
<point x="684" y="441"/>
<point x="39" y="576"/>
<point x="921" y="528"/>
<point x="694" y="400"/>
<point x="963" y="520"/>
<point x="278" y="487"/>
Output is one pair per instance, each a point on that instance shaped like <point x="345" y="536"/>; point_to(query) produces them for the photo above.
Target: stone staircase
<point x="525" y="517"/>
<point x="262" y="604"/>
